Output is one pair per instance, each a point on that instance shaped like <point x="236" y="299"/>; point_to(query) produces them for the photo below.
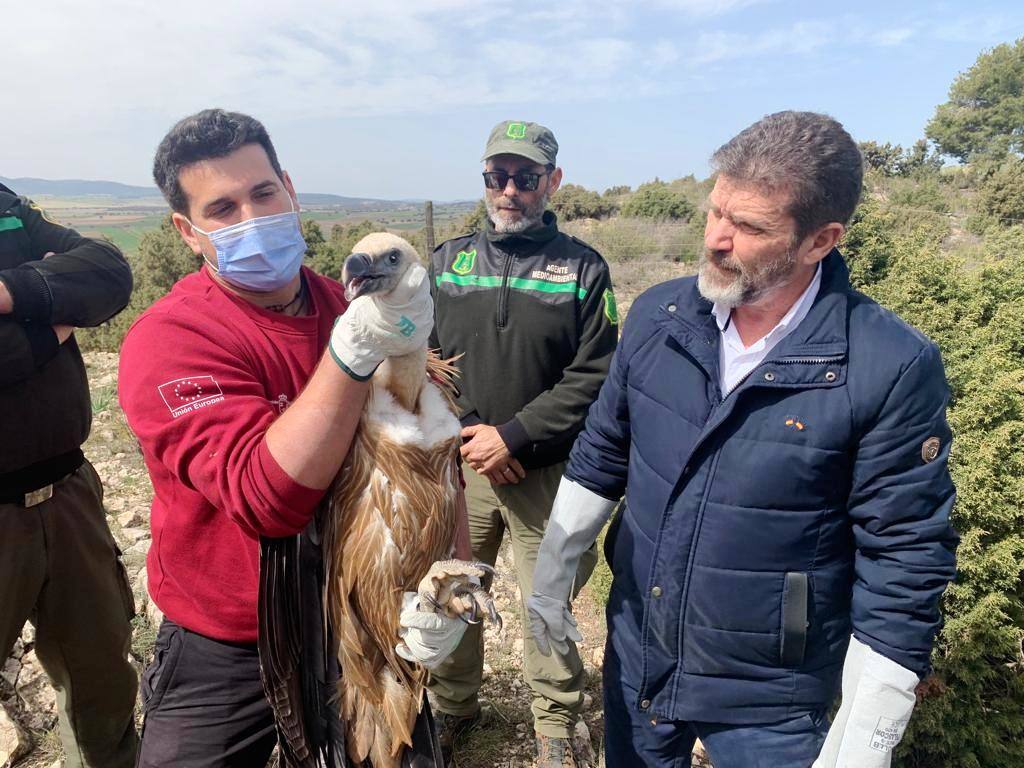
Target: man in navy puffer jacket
<point x="781" y="442"/>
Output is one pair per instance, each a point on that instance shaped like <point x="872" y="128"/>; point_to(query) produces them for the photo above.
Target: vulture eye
<point x="393" y="257"/>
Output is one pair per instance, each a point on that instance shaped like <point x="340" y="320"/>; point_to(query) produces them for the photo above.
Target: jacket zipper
<point x="786" y="361"/>
<point x="503" y="294"/>
<point x="807" y="360"/>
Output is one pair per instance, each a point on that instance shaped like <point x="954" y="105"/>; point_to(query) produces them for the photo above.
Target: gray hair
<point x="810" y="155"/>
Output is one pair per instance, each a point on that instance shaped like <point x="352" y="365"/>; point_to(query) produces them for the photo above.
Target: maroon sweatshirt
<point x="203" y="375"/>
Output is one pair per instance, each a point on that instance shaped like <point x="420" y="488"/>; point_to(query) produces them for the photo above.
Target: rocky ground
<point x="28" y="735"/>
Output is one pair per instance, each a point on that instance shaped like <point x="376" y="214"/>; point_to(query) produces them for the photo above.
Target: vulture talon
<point x="494" y="616"/>
<point x="489" y="569"/>
<point x="433" y="601"/>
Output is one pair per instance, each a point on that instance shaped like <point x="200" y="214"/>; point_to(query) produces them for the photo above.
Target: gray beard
<point x="532" y="216"/>
<point x="749" y="285"/>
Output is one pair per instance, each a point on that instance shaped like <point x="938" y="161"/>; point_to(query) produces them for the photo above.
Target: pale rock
<point x="10" y="672"/>
<point x="133" y="518"/>
<point x="154" y="615"/>
<point x="588" y="701"/>
<point x="28" y="633"/>
<point x="582" y="745"/>
<point x="15" y="741"/>
<point x="487" y="671"/>
<point x="134" y="534"/>
<point x="37" y="694"/>
<point x="140" y="547"/>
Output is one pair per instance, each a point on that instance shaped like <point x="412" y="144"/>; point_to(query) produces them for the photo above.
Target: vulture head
<point x="377" y="265"/>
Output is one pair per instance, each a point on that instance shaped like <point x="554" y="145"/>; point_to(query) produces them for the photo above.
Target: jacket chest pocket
<point x="788" y="451"/>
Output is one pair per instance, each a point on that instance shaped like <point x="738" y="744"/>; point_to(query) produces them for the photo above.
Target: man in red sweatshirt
<point x="243" y="421"/>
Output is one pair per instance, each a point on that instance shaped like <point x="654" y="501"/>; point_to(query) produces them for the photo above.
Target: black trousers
<point x="204" y="704"/>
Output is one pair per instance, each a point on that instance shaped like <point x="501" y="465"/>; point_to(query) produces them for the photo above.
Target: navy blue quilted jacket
<point x="760" y="529"/>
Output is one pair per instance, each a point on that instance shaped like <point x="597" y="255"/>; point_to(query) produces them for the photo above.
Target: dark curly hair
<point x="205" y="135"/>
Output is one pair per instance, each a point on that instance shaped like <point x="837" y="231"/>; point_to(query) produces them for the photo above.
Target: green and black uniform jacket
<point x="44" y="394"/>
<point x="534" y="316"/>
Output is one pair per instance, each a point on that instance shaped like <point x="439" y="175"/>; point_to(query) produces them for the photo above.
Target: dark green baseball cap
<point x="517" y="137"/>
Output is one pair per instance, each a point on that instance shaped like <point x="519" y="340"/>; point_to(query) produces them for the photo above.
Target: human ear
<point x="823" y="241"/>
<point x="188" y="234"/>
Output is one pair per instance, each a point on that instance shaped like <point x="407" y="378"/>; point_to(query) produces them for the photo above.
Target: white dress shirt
<point x="735" y="360"/>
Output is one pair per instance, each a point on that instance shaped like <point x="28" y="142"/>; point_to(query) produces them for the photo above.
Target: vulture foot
<point x="454" y="587"/>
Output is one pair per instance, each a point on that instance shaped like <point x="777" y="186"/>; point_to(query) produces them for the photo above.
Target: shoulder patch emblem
<point x="464" y="261"/>
<point x="185" y="395"/>
<point x="611" y="311"/>
<point x="930" y="449"/>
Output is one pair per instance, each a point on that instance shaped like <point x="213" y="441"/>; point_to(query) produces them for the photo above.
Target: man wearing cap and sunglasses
<point x="532" y="313"/>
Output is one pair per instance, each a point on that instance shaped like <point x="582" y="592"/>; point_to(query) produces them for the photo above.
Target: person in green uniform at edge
<point x="59" y="564"/>
<point x="532" y="313"/>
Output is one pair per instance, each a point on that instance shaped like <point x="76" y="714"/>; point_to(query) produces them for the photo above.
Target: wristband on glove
<point x="358" y="360"/>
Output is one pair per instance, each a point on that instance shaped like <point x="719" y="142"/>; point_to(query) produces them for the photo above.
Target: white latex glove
<point x="385" y="325"/>
<point x="428" y="638"/>
<point x="577" y="517"/>
<point x="878" y="699"/>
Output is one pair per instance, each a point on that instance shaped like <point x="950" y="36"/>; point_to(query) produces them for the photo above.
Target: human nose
<point x="248" y="211"/>
<point x="718" y="233"/>
<point x="511" y="182"/>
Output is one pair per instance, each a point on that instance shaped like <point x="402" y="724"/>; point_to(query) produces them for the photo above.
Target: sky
<point x="395" y="99"/>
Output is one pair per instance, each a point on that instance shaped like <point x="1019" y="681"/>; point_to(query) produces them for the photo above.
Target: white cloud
<point x="99" y="84"/>
<point x="703" y="7"/>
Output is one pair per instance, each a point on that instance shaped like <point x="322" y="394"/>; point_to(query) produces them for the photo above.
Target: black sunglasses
<point x="525" y="181"/>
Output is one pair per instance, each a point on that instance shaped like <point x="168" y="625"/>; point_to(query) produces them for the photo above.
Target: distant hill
<point x="76" y="188"/>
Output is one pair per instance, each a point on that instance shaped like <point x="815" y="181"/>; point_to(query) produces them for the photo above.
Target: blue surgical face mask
<point x="262" y="254"/>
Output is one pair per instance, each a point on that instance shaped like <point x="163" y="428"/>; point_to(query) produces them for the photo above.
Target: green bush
<point x="893" y="160"/>
<point x="621" y="239"/>
<point x="920" y="196"/>
<point x="656" y="200"/>
<point x="573" y="202"/>
<point x="1001" y="196"/>
<point x="972" y="713"/>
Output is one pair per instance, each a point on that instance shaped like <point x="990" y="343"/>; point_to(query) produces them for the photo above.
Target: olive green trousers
<point x="60" y="569"/>
<point x="556" y="681"/>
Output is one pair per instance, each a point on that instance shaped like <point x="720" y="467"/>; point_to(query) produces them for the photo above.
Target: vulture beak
<point x="356" y="274"/>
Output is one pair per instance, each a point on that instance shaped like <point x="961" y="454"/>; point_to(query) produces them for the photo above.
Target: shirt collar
<point x="796" y="313"/>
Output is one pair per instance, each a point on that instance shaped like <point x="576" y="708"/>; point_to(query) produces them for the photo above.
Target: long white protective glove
<point x="577" y="517"/>
<point x="878" y="699"/>
<point x="428" y="638"/>
<point x="387" y="325"/>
